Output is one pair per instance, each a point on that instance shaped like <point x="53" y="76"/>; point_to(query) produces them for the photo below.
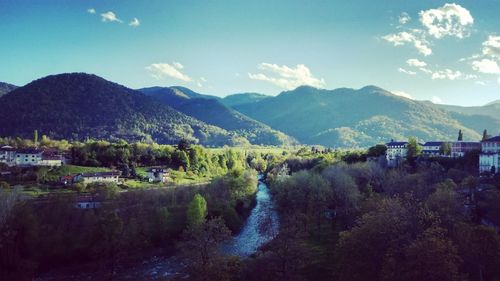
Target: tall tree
<point x="35" y="137"/>
<point x="460" y="135"/>
<point x="485" y="135"/>
<point x="414" y="148"/>
<point x="197" y="210"/>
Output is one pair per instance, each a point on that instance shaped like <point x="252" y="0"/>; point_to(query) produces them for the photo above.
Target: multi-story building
<point x="490" y="155"/>
<point x="460" y="148"/>
<point x="7" y="155"/>
<point x="397" y="151"/>
<point x="158" y="175"/>
<point x="28" y="157"/>
<point x="432" y="148"/>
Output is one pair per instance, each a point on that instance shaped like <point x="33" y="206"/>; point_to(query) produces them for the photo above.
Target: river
<point x="260" y="227"/>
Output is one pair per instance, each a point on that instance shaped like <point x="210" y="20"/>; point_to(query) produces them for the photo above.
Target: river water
<point x="260" y="227"/>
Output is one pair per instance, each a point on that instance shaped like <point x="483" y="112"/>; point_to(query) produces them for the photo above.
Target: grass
<point x="137" y="184"/>
<point x="65" y="170"/>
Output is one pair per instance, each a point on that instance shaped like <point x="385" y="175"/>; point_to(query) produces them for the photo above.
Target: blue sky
<point x="429" y="50"/>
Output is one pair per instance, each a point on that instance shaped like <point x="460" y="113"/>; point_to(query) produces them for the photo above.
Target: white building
<point x="158" y="175"/>
<point x="28" y="157"/>
<point x="432" y="148"/>
<point x="396" y="154"/>
<point x="101" y="177"/>
<point x="51" y="160"/>
<point x="490" y="155"/>
<point x="7" y="155"/>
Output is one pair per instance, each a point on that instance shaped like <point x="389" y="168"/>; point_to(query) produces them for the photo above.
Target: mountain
<point x="491" y="109"/>
<point x="244" y="98"/>
<point x="358" y="118"/>
<point x="212" y="111"/>
<point x="5" y="88"/>
<point x="78" y="106"/>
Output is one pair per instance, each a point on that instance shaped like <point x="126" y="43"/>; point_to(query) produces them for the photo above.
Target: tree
<point x="35" y="137"/>
<point x="445" y="148"/>
<point x="460" y="135"/>
<point x="377" y="150"/>
<point x="414" y="148"/>
<point x="485" y="135"/>
<point x="201" y="246"/>
<point x="183" y="145"/>
<point x="197" y="210"/>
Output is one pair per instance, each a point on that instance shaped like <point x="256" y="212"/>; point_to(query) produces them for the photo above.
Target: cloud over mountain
<point x="287" y="77"/>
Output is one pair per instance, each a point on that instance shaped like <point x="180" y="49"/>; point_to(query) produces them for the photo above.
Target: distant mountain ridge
<point x="6" y="87"/>
<point x="210" y="110"/>
<point x="79" y="106"/>
<point x="243" y="98"/>
<point x="350" y="118"/>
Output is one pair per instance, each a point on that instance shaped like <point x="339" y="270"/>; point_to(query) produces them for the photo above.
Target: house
<point x="7" y="155"/>
<point x="87" y="202"/>
<point x="158" y="175"/>
<point x="460" y="148"/>
<point x="432" y="148"/>
<point x="489" y="158"/>
<point x="28" y="157"/>
<point x="101" y="177"/>
<point x="396" y="154"/>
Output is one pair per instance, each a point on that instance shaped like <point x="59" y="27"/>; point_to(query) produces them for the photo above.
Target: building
<point x="28" y="157"/>
<point x="51" y="160"/>
<point x="432" y="148"/>
<point x="87" y="202"/>
<point x="460" y="148"/>
<point x="7" y="155"/>
<point x="490" y="155"/>
<point x="101" y="177"/>
<point x="396" y="154"/>
<point x="158" y="175"/>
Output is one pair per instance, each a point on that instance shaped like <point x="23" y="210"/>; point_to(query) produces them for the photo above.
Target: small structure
<point x="396" y="154"/>
<point x="87" y="202"/>
<point x="101" y="177"/>
<point x="432" y="148"/>
<point x="51" y="160"/>
<point x="489" y="158"/>
<point x="460" y="148"/>
<point x="158" y="175"/>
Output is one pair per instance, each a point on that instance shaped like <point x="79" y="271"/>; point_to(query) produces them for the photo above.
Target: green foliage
<point x="414" y="148"/>
<point x="196" y="211"/>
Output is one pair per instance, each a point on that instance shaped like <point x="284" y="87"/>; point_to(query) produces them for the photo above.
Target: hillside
<point x="212" y="111"/>
<point x="349" y="118"/>
<point x="491" y="109"/>
<point x="244" y="98"/>
<point x="5" y="88"/>
<point x="79" y="106"/>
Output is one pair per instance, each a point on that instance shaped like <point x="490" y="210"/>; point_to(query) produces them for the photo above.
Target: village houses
<point x="29" y="157"/>
<point x="490" y="155"/>
<point x="158" y="175"/>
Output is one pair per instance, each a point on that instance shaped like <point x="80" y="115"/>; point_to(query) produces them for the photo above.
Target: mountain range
<point x="80" y="106"/>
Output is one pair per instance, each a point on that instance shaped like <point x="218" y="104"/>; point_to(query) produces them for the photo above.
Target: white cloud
<point x="203" y="79"/>
<point x="135" y="22"/>
<point x="482" y="83"/>
<point x="404" y="18"/>
<point x="162" y="70"/>
<point x="448" y="20"/>
<point x="486" y="66"/>
<point x="402" y="94"/>
<point x="404" y="37"/>
<point x="416" y="63"/>
<point x="491" y="47"/>
<point x="409" y="72"/>
<point x="447" y="74"/>
<point x="436" y="100"/>
<point x="287" y="77"/>
<point x="91" y="11"/>
<point x="109" y="17"/>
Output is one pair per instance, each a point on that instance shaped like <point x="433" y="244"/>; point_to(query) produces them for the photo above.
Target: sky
<point x="446" y="52"/>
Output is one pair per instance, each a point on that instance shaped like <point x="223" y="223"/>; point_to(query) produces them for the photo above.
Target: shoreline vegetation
<point x="341" y="217"/>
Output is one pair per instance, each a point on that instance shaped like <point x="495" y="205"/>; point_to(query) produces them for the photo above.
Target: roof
<point x="29" y="151"/>
<point x="433" y="143"/>
<point x="396" y="143"/>
<point x="101" y="174"/>
<point x="158" y="170"/>
<point x="493" y="139"/>
<point x="7" y="148"/>
<point x="51" y="157"/>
